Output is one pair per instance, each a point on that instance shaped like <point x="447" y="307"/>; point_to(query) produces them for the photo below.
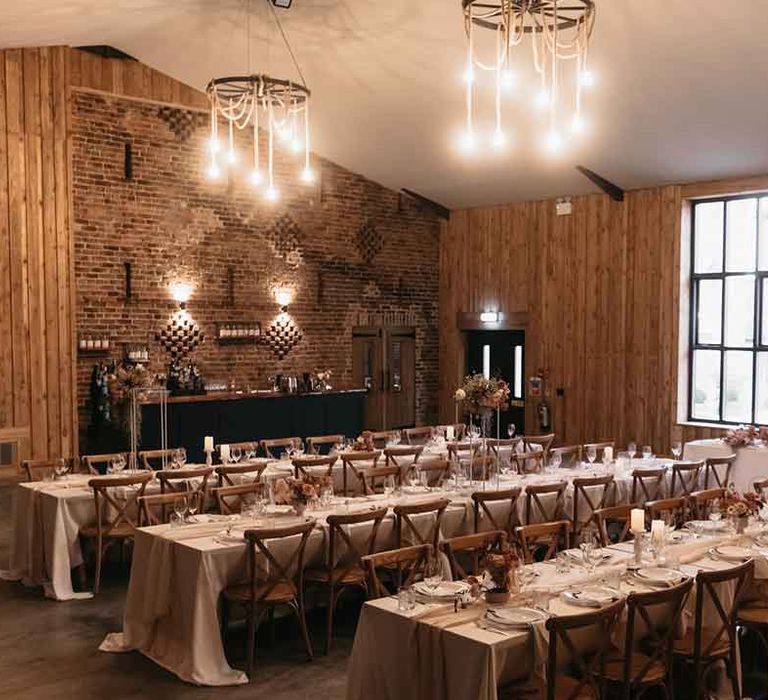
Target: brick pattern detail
<point x="170" y="223"/>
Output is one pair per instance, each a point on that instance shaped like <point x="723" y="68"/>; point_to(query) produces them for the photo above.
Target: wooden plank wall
<point x="601" y="288"/>
<point x="37" y="397"/>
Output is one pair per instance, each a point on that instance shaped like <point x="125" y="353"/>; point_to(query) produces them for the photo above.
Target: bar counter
<point x="239" y="416"/>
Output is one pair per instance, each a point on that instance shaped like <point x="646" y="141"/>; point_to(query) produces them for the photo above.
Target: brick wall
<point x="352" y="250"/>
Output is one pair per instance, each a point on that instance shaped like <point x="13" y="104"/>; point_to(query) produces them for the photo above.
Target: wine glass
<point x="555" y="461"/>
<point x="60" y="468"/>
<point x="647" y="452"/>
<point x="677" y="449"/>
<point x="589" y="548"/>
<point x="250" y="452"/>
<point x="474" y="431"/>
<point x="511" y="430"/>
<point x="715" y="514"/>
<point x="389" y="485"/>
<point x="180" y="507"/>
<point x="591" y="454"/>
<point x="181" y="457"/>
<point x="632" y="450"/>
<point x="192" y="505"/>
<point x="236" y="454"/>
<point x="433" y="574"/>
<point x="413" y="477"/>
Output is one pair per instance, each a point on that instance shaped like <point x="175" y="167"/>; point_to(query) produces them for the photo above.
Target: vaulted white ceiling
<point x="680" y="95"/>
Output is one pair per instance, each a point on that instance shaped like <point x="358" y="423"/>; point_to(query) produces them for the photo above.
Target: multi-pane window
<point x="729" y="310"/>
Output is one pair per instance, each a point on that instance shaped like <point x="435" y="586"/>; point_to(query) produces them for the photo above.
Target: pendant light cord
<point x="287" y="43"/>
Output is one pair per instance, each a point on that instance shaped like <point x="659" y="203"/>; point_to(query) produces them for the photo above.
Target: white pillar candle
<point x="657" y="532"/>
<point x="450" y="433"/>
<point x="208" y="443"/>
<point x="637" y="520"/>
<point x="607" y="455"/>
<point x="224" y="453"/>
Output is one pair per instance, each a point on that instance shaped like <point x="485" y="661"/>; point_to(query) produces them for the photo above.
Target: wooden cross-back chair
<point x="277" y="583"/>
<point x="701" y="502"/>
<point x="437" y="471"/>
<point x="466" y="553"/>
<point x="344" y="567"/>
<point x="648" y="485"/>
<point x="157" y="508"/>
<point x="548" y="538"/>
<point x="357" y="462"/>
<point x="620" y="515"/>
<point x="116" y="513"/>
<point x="599" y="448"/>
<point x="231" y="499"/>
<point x="668" y="507"/>
<point x="40" y="469"/>
<point x="313" y="465"/>
<point x="721" y="593"/>
<point x="529" y="462"/>
<point x="761" y="487"/>
<point x="594" y="492"/>
<point x="245" y="446"/>
<point x="484" y="467"/>
<point x="407" y="563"/>
<point x="318" y="443"/>
<point x="409" y="532"/>
<point x="381" y="438"/>
<point x="459" y="451"/>
<point x="234" y="474"/>
<point x="536" y="502"/>
<point x="185" y="481"/>
<point x="481" y="501"/>
<point x="570" y="455"/>
<point x="402" y="455"/>
<point x="503" y="445"/>
<point x="279" y="445"/>
<point x="685" y="478"/>
<point x="98" y="464"/>
<point x="156" y="459"/>
<point x="371" y="478"/>
<point x="418" y="436"/>
<point x="542" y="441"/>
<point x="565" y="631"/>
<point x="652" y="621"/>
<point x="718" y="471"/>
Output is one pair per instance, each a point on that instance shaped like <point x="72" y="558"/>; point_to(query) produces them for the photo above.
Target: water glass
<point x="562" y="563"/>
<point x="181" y="457"/>
<point x="677" y="449"/>
<point x="647" y="452"/>
<point x="406" y="599"/>
<point x="632" y="450"/>
<point x="541" y="598"/>
<point x="511" y="430"/>
<point x="591" y="454"/>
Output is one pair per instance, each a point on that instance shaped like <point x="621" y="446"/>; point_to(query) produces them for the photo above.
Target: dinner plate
<point x="514" y="617"/>
<point x="446" y="589"/>
<point x="591" y="596"/>
<point x="731" y="552"/>
<point x="659" y="574"/>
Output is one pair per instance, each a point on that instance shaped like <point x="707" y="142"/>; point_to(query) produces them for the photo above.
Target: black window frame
<point x="760" y="287"/>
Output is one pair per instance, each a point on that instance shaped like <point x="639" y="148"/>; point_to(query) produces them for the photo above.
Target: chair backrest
<point x="437" y="470"/>
<point x="543" y="441"/>
<point x="554" y="536"/>
<point x="402" y="455"/>
<point x="620" y="515"/>
<point x="40" y="469"/>
<point x="226" y="472"/>
<point x="599" y="447"/>
<point x="721" y="603"/>
<point x="317" y="444"/>
<point x="648" y="484"/>
<point x="408" y="563"/>
<point x="244" y="447"/>
<point x="288" y="571"/>
<point x="508" y="497"/>
<point x="97" y="464"/>
<point x="570" y="455"/>
<point x="156" y="459"/>
<point x="315" y="464"/>
<point x="507" y="445"/>
<point x="590" y="494"/>
<point x="761" y="487"/>
<point x="231" y="499"/>
<point x="341" y="544"/>
<point x="702" y="502"/>
<point x="407" y="529"/>
<point x="673" y="507"/>
<point x="114" y="509"/>
<point x="381" y="438"/>
<point x="275" y="447"/>
<point x="653" y="619"/>
<point x="472" y="549"/>
<point x="352" y="459"/>
<point x="370" y="478"/>
<point x="536" y="502"/>
<point x="184" y="480"/>
<point x="718" y="471"/>
<point x="418" y="436"/>
<point x="529" y="462"/>
<point x="590" y="669"/>
<point x="459" y="450"/>
<point x="685" y="478"/>
<point x="157" y="508"/>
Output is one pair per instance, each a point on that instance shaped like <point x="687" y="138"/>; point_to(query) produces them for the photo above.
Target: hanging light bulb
<point x="468" y="141"/>
<point x="554" y="141"/>
<point x="272" y="194"/>
<point x="542" y="99"/>
<point x="214" y="146"/>
<point x="256" y="177"/>
<point x="469" y="74"/>
<point x="296" y="145"/>
<point x="508" y="79"/>
<point x="577" y="124"/>
<point x="586" y="78"/>
<point x="307" y="175"/>
<point x="213" y="172"/>
<point x="231" y="156"/>
<point x="499" y="139"/>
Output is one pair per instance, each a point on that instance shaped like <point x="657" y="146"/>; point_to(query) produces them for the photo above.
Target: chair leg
<point x="224" y="622"/>
<point x="731" y="669"/>
<point x="251" y="614"/>
<point x="97" y="573"/>
<point x="304" y="632"/>
<point x="329" y="628"/>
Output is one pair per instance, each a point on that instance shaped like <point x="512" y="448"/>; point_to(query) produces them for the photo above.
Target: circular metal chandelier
<point x="254" y="102"/>
<point x="559" y="32"/>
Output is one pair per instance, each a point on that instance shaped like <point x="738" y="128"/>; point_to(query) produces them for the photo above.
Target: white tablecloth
<point x="751" y="462"/>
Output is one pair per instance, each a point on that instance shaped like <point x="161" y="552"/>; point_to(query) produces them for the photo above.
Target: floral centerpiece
<point x="122" y="378"/>
<point x="481" y="396"/>
<point x="743" y="435"/>
<point x="364" y="442"/>
<point x="739" y="506"/>
<point x="499" y="568"/>
<point x="322" y="378"/>
<point x="298" y="492"/>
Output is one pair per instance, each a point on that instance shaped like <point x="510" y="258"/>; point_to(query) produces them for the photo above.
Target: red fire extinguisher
<point x="543" y="413"/>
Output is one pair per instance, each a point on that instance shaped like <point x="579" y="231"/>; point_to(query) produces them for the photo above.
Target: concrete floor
<point x="50" y="650"/>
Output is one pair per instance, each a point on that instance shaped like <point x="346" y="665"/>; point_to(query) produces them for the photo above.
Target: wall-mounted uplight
<point x="181" y="292"/>
<point x="489" y="317"/>
<point x="283" y="296"/>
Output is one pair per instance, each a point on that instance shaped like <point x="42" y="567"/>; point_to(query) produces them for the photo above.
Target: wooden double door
<point x="384" y="362"/>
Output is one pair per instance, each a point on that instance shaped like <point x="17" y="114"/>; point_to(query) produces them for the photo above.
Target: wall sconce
<point x="489" y="317"/>
<point x="181" y="292"/>
<point x="283" y="296"/>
